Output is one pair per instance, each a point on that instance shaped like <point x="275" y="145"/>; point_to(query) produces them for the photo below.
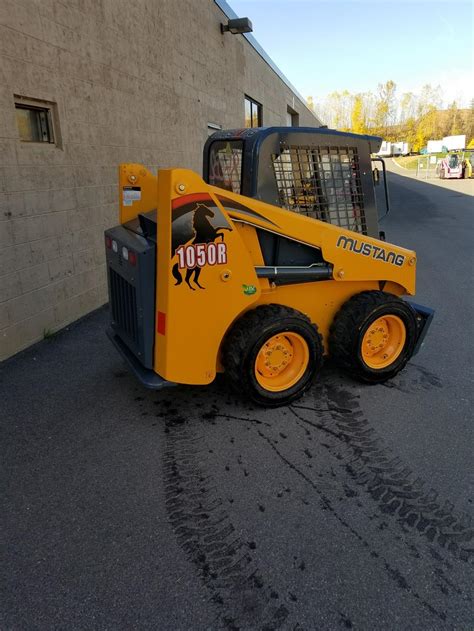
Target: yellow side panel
<point x="194" y="310"/>
<point x="349" y="265"/>
<point x="206" y="258"/>
<point x="354" y="256"/>
<point x="250" y="239"/>
<point x="137" y="191"/>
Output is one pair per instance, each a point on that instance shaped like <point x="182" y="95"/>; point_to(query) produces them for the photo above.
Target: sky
<point x="323" y="46"/>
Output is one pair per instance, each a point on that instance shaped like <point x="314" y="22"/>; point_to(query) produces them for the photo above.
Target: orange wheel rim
<point x="383" y="341"/>
<point x="281" y="361"/>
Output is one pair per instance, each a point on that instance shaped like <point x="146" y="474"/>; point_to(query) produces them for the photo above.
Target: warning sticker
<point x="131" y="194"/>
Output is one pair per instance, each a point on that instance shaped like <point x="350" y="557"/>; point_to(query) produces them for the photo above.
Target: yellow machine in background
<point x="203" y="279"/>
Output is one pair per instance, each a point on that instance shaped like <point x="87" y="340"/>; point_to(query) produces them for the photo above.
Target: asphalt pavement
<point x="192" y="510"/>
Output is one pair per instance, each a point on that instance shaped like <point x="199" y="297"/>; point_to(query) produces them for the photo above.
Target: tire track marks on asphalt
<point x="225" y="563"/>
<point x="205" y="532"/>
<point x="394" y="573"/>
<point x="399" y="492"/>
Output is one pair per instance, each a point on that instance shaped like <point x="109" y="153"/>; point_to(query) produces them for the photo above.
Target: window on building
<point x="35" y="120"/>
<point x="253" y="113"/>
<point x="292" y="117"/>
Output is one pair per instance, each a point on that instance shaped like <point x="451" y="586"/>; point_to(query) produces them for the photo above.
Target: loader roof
<point x="256" y="135"/>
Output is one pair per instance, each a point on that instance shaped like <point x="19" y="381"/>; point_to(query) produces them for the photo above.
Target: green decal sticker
<point x="249" y="290"/>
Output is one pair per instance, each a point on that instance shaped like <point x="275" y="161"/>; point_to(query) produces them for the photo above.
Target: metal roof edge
<point x="230" y="13"/>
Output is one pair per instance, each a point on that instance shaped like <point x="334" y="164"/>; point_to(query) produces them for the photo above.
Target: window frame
<point x="47" y="124"/>
<point x="255" y="107"/>
<point x="293" y="117"/>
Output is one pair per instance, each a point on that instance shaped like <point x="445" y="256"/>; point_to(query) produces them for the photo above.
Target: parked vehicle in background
<point x="401" y="148"/>
<point x="434" y="146"/>
<point x="450" y="167"/>
<point x="448" y="143"/>
<point x="468" y="163"/>
<point x="456" y="165"/>
<point x="454" y="142"/>
<point x="388" y="149"/>
<point x="385" y="149"/>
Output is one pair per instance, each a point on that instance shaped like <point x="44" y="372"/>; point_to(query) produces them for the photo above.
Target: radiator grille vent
<point x="322" y="183"/>
<point x="123" y="301"/>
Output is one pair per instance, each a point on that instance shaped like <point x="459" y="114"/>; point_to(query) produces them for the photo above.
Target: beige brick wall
<point x="134" y="81"/>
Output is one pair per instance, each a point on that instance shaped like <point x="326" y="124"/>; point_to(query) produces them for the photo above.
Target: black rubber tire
<point x="245" y="340"/>
<point x="350" y="325"/>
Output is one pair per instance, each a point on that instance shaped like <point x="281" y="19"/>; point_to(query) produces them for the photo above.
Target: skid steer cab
<point x="262" y="268"/>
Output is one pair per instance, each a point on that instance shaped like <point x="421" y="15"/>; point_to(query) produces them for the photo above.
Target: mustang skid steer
<point x="262" y="268"/>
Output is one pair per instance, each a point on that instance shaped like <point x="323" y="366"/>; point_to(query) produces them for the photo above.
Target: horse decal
<point x="202" y="247"/>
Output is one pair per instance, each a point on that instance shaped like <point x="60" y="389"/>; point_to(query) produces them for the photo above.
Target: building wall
<point x="134" y="81"/>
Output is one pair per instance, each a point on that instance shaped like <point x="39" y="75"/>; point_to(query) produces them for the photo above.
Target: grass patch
<point x="48" y="334"/>
<point x="411" y="162"/>
<point x="407" y="162"/>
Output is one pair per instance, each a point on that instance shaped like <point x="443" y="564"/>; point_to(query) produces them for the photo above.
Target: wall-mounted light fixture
<point x="237" y="26"/>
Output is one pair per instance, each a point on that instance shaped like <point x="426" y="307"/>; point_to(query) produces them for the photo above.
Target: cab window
<point x="225" y="165"/>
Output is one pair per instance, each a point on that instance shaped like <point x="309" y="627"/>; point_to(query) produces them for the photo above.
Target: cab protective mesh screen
<point x="322" y="183"/>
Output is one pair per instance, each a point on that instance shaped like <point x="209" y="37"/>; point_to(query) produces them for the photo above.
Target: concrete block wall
<point x="132" y="81"/>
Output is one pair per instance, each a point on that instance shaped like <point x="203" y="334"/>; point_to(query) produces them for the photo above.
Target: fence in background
<point x="427" y="167"/>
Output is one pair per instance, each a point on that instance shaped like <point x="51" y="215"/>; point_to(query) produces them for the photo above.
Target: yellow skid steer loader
<point x="270" y="262"/>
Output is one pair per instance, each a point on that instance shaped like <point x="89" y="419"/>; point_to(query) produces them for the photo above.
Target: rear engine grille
<point x="123" y="301"/>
